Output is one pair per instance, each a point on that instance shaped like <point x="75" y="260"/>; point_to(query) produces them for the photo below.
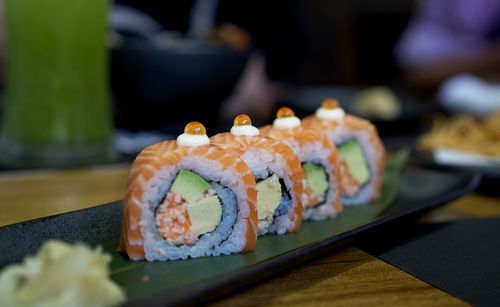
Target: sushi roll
<point x="361" y="151"/>
<point x="188" y="198"/>
<point x="277" y="172"/>
<point x="319" y="159"/>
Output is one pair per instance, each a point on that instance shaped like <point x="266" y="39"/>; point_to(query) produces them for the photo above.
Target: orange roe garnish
<point x="195" y="128"/>
<point x="330" y="104"/>
<point x="242" y="120"/>
<point x="285" y="112"/>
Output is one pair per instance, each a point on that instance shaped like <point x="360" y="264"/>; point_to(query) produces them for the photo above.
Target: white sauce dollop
<point x="330" y="114"/>
<point x="192" y="140"/>
<point x="247" y="130"/>
<point x="286" y="122"/>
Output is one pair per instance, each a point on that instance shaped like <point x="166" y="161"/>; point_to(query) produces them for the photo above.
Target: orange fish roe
<point x="330" y="103"/>
<point x="242" y="120"/>
<point x="173" y="222"/>
<point x="285" y="112"/>
<point x="195" y="128"/>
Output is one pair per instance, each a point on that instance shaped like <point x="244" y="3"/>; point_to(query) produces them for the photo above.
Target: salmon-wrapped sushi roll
<point x="277" y="171"/>
<point x="361" y="151"/>
<point x="187" y="198"/>
<point x="320" y="162"/>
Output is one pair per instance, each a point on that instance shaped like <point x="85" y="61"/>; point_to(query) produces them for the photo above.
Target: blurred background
<point x="251" y="56"/>
<point x="395" y="62"/>
<point x="86" y="84"/>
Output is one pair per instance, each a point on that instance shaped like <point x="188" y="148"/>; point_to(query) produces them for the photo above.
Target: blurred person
<point x="277" y="31"/>
<point x="450" y="37"/>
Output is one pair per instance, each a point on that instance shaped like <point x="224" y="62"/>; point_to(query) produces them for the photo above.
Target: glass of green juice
<point x="57" y="110"/>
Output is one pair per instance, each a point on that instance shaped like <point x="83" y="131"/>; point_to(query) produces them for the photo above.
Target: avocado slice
<point x="205" y="214"/>
<point x="316" y="178"/>
<point x="189" y="186"/>
<point x="268" y="196"/>
<point x="352" y="153"/>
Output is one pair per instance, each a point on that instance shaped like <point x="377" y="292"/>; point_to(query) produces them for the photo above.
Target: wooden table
<point x="348" y="277"/>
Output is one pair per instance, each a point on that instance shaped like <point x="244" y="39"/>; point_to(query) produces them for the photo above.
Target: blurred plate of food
<point x="465" y="143"/>
<point x="390" y="110"/>
<point x="454" y="157"/>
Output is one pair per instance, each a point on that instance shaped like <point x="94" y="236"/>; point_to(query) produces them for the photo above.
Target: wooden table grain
<point x="346" y="277"/>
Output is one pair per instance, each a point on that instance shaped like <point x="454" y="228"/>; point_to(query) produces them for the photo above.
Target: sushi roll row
<point x="198" y="196"/>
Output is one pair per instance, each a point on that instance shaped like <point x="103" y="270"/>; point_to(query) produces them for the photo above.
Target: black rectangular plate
<point x="197" y="280"/>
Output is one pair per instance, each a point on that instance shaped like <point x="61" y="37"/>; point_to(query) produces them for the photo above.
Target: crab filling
<point x="190" y="209"/>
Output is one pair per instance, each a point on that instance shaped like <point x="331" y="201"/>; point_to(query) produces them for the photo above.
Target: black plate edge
<point x="215" y="288"/>
<point x="490" y="176"/>
<point x="48" y="217"/>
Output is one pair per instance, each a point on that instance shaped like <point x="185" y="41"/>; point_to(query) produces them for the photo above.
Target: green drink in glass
<point x="57" y="111"/>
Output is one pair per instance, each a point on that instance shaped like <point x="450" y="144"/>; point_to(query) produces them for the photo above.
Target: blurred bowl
<point x="157" y="85"/>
